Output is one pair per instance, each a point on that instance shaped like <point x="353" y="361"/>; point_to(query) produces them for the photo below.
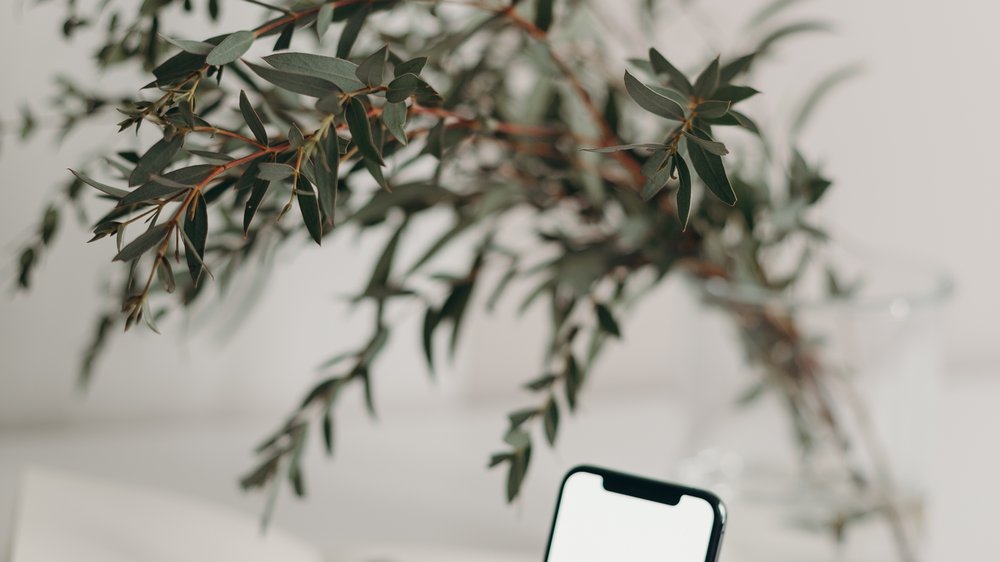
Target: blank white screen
<point x="595" y="525"/>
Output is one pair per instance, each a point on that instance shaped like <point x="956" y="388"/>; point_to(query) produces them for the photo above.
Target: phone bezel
<point x="652" y="490"/>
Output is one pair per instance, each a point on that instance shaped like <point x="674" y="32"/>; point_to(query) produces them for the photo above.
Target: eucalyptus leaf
<point x="308" y="201"/>
<point x="269" y="171"/>
<point x="196" y="236"/>
<point x="402" y="87"/>
<point x="158" y="157"/>
<point x="683" y="192"/>
<point x="677" y="78"/>
<point x="394" y="117"/>
<point x="708" y="81"/>
<point x="342" y="73"/>
<point x="297" y="83"/>
<point x="711" y="171"/>
<point x="231" y="48"/>
<point x="651" y="101"/>
<point x="143" y="243"/>
<point x="361" y="131"/>
<point x="412" y="66"/>
<point x="714" y="147"/>
<point x="252" y="119"/>
<point x="371" y="71"/>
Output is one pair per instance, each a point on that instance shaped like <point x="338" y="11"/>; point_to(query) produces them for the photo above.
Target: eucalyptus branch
<point x="313" y="131"/>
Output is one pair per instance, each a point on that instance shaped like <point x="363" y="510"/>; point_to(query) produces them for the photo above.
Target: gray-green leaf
<point x="402" y="87"/>
<point x="231" y="48"/>
<point x="340" y="72"/>
<point x="297" y="83"/>
<point x="252" y="119"/>
<point x="714" y="147"/>
<point x="143" y="243"/>
<point x="394" y="117"/>
<point x="371" y="71"/>
<point x="711" y="171"/>
<point x="651" y="101"/>
<point x="683" y="192"/>
<point x="361" y="131"/>
<point x="662" y="66"/>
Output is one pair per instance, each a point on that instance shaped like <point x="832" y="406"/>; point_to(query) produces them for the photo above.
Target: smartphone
<point x="607" y="516"/>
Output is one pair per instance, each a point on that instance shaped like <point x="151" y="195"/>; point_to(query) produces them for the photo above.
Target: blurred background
<point x="909" y="144"/>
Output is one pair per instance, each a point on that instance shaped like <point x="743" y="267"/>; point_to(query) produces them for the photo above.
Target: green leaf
<point x="402" y="87"/>
<point x="711" y="146"/>
<point x="231" y="48"/>
<point x="551" y="421"/>
<point x="158" y="157"/>
<point x="543" y="14"/>
<point x="103" y="188"/>
<point x="736" y="67"/>
<point x="296" y="83"/>
<point x="327" y="162"/>
<point x="712" y="109"/>
<point x="379" y="280"/>
<point x="252" y="119"/>
<point x="651" y="101"/>
<point x="657" y="180"/>
<point x="309" y="206"/>
<point x="412" y="66"/>
<point x="341" y="73"/>
<point x="349" y="35"/>
<point x="285" y="39"/>
<point x="26" y="263"/>
<point x="499" y="458"/>
<point x="662" y="66"/>
<point x="371" y="71"/>
<point x="734" y="94"/>
<point x="328" y="429"/>
<point x="738" y="119"/>
<point x="394" y="117"/>
<point x="270" y="171"/>
<point x="295" y="137"/>
<point x="366" y="381"/>
<point x="574" y="380"/>
<point x="361" y="131"/>
<point x="376" y="173"/>
<point x="194" y="47"/>
<point x="177" y="68"/>
<point x="683" y="192"/>
<point x="331" y="103"/>
<point x="432" y="317"/>
<point x="621" y="147"/>
<point x="323" y="19"/>
<point x="196" y="231"/>
<point x="148" y="192"/>
<point x="711" y="171"/>
<point x="606" y="320"/>
<point x="518" y="439"/>
<point x="707" y="82"/>
<point x="517" y="470"/>
<point x="143" y="243"/>
<point x="517" y="418"/>
<point x="541" y="383"/>
<point x="253" y="202"/>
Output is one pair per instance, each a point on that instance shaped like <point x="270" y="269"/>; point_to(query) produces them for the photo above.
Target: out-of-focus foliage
<point x="483" y="109"/>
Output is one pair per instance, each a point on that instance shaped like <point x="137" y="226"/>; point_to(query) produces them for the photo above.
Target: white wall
<point x="909" y="145"/>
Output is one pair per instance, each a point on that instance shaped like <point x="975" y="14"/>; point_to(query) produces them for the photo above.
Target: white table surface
<point x="417" y="478"/>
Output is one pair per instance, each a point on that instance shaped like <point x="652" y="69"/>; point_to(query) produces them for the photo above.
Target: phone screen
<point x="613" y="517"/>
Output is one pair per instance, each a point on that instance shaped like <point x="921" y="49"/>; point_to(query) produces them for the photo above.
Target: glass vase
<point x="818" y="432"/>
